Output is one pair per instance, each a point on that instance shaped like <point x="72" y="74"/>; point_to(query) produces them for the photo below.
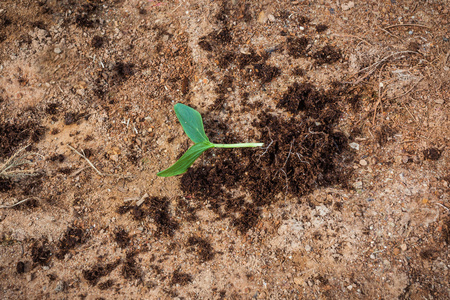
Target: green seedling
<point x="192" y="123"/>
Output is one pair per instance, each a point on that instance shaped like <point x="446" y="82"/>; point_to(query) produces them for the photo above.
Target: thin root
<point x="407" y="25"/>
<point x="93" y="167"/>
<point x="370" y="69"/>
<point x="20" y="202"/>
<point x="354" y="36"/>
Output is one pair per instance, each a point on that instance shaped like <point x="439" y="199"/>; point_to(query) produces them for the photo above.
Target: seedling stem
<point x="241" y="145"/>
<point x="192" y="123"/>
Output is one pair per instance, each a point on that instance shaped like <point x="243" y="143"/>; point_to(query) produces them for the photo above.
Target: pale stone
<point x="354" y="146"/>
<point x="347" y="6"/>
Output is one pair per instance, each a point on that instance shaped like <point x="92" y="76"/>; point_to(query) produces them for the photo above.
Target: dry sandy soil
<point x="348" y="198"/>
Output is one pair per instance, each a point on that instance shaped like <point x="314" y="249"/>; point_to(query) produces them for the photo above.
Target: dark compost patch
<point x="303" y="151"/>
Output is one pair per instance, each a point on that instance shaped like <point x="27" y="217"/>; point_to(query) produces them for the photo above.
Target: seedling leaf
<point x="192" y="123"/>
<point x="186" y="160"/>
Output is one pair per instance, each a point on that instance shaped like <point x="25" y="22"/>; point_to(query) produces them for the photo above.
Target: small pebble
<point x="363" y="162"/>
<point x="262" y="17"/>
<point x="354" y="146"/>
<point x="358" y="185"/>
<point x="347" y="6"/>
<point x="308" y="248"/>
<point x="57" y="50"/>
<point x="350" y="287"/>
<point x="298" y="281"/>
<point x="59" y="287"/>
<point x="403" y="247"/>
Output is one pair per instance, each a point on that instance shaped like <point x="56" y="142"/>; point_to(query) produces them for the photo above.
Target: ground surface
<point x="348" y="199"/>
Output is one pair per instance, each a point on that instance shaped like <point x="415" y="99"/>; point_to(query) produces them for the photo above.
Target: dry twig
<point x="370" y="69"/>
<point x="446" y="58"/>
<point x="441" y="205"/>
<point x="380" y="96"/>
<point x="353" y="36"/>
<point x="17" y="160"/>
<point x="389" y="33"/>
<point x="17" y="203"/>
<point x="93" y="167"/>
<point x="407" y="25"/>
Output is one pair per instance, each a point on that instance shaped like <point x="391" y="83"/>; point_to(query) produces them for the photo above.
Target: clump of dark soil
<point x="121" y="237"/>
<point x="40" y="253"/>
<point x="431" y="154"/>
<point x="180" y="278"/>
<point x="429" y="254"/>
<point x="296" y="47"/>
<point x="327" y="55"/>
<point x="221" y="45"/>
<point x="203" y="248"/>
<point x="321" y="28"/>
<point x="73" y="237"/>
<point x="52" y="108"/>
<point x="157" y="209"/>
<point x="302" y="97"/>
<point x="94" y="274"/>
<point x="129" y="269"/>
<point x="70" y="118"/>
<point x="105" y="284"/>
<point x="301" y="153"/>
<point x="124" y="70"/>
<point x="20" y="267"/>
<point x="85" y="15"/>
<point x="266" y="73"/>
<point x="247" y="218"/>
<point x="97" y="41"/>
<point x="186" y="209"/>
<point x="57" y="158"/>
<point x="13" y="135"/>
<point x="6" y="185"/>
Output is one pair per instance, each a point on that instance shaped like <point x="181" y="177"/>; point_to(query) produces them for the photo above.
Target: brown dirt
<point x="348" y="199"/>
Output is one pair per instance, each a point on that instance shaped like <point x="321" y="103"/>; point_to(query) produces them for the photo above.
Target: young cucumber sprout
<point x="192" y="123"/>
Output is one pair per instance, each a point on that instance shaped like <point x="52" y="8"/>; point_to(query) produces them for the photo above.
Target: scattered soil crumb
<point x="130" y="270"/>
<point x="432" y="154"/>
<point x="180" y="278"/>
<point x="73" y="237"/>
<point x="95" y="273"/>
<point x="121" y="237"/>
